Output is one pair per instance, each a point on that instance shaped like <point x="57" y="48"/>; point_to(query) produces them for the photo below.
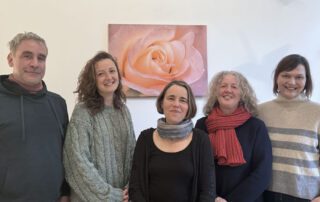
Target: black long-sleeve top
<point x="203" y="183"/>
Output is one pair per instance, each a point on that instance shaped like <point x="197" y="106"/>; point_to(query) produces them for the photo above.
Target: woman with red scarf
<point x="240" y="141"/>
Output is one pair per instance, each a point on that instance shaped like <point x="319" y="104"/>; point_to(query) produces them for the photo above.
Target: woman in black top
<point x="174" y="161"/>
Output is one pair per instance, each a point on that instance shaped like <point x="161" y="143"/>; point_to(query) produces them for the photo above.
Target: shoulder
<point x="2" y="88"/>
<point x="252" y="125"/>
<point x="81" y="108"/>
<point x="59" y="104"/>
<point x="266" y="105"/>
<point x="145" y="136"/>
<point x="146" y="133"/>
<point x="80" y="112"/>
<point x="266" y="109"/>
<point x="202" y="120"/>
<point x="200" y="141"/>
<point x="313" y="105"/>
<point x="55" y="97"/>
<point x="201" y="123"/>
<point x="125" y="110"/>
<point x="255" y="121"/>
<point x="311" y="111"/>
<point x="200" y="135"/>
<point x="199" y="132"/>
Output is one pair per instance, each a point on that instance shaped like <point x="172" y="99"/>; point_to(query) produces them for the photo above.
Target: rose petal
<point x="196" y="68"/>
<point x="151" y="37"/>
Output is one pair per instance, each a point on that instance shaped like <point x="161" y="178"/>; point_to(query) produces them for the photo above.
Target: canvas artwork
<point x="150" y="56"/>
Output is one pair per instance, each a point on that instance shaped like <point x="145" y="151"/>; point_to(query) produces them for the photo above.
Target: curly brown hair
<point x="87" y="89"/>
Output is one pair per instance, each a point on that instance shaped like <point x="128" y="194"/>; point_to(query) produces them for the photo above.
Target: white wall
<point x="249" y="36"/>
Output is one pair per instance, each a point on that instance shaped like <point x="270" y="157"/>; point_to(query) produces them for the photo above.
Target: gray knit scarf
<point x="174" y="132"/>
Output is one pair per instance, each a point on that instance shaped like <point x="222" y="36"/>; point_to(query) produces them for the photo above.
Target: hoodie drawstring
<point x="22" y="118"/>
<point x="57" y="118"/>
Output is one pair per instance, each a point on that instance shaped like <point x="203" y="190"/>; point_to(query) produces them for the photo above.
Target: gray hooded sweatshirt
<point x="32" y="128"/>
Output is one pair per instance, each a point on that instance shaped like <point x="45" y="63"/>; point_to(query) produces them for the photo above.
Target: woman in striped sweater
<point x="293" y="123"/>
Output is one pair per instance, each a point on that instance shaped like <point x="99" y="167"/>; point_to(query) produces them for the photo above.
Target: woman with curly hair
<point x="240" y="142"/>
<point x="100" y="138"/>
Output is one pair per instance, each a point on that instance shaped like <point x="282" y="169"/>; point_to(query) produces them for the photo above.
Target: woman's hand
<point x="317" y="199"/>
<point x="64" y="199"/>
<point x="125" y="195"/>
<point x="219" y="199"/>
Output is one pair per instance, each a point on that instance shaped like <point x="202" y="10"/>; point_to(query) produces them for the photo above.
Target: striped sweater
<point x="294" y="129"/>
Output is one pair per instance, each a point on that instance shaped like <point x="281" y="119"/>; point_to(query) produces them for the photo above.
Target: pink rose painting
<point x="150" y="56"/>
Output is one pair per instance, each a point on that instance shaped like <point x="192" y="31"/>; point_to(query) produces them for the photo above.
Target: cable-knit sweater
<point x="294" y="129"/>
<point x="98" y="153"/>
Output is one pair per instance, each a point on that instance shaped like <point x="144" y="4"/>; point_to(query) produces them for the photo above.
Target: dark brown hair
<point x="87" y="89"/>
<point x="192" y="107"/>
<point x="289" y="63"/>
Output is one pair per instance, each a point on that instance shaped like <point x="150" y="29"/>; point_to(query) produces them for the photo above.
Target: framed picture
<point x="150" y="56"/>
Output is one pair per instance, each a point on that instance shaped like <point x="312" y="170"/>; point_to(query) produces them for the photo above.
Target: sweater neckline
<point x="299" y="98"/>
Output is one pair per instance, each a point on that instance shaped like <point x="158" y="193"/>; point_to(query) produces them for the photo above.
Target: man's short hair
<point x="16" y="41"/>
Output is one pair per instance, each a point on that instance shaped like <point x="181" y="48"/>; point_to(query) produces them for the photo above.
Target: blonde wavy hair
<point x="248" y="97"/>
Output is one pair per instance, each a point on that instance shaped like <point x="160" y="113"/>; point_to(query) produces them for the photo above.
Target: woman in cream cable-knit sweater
<point x="100" y="138"/>
<point x="293" y="123"/>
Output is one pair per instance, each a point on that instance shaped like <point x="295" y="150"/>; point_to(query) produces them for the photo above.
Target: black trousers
<point x="270" y="196"/>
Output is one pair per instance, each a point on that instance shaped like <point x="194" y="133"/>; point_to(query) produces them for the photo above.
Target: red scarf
<point x="225" y="144"/>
